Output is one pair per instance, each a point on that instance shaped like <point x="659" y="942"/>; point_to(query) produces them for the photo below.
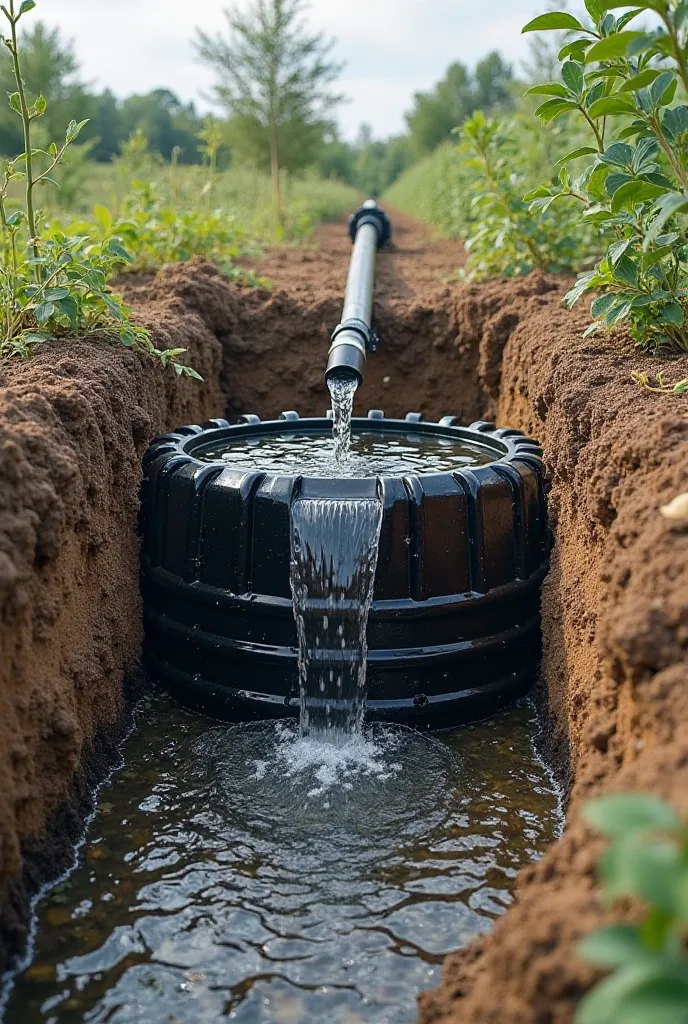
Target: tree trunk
<point x="275" y="173"/>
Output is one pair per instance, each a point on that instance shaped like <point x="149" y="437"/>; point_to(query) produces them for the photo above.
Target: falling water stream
<point x="334" y="554"/>
<point x="290" y="873"/>
<point x="342" y="391"/>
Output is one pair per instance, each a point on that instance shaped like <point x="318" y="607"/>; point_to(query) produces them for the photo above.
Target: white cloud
<point x="392" y="48"/>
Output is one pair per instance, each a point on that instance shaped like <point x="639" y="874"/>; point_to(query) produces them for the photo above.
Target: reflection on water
<point x="371" y="453"/>
<point x="241" y="873"/>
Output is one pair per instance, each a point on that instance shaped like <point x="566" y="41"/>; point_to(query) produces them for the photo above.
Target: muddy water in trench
<point x="218" y="883"/>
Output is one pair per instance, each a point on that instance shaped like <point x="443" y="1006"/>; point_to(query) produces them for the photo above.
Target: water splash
<point x="342" y="390"/>
<point x="334" y="555"/>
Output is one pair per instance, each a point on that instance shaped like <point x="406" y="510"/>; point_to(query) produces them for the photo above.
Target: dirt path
<point x="414" y="264"/>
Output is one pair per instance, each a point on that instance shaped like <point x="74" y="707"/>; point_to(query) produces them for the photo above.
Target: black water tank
<point x="454" y="629"/>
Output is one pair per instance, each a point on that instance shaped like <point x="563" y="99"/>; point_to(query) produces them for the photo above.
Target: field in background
<point x="241" y="195"/>
<point x="434" y="191"/>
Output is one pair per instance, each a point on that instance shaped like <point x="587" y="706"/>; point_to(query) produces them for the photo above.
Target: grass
<point x="240" y="193"/>
<point x="434" y="191"/>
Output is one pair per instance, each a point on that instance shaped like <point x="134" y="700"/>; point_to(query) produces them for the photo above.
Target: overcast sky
<point x="392" y="48"/>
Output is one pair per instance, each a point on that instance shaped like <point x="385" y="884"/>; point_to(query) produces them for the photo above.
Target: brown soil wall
<point x="75" y="422"/>
<point x="615" y="625"/>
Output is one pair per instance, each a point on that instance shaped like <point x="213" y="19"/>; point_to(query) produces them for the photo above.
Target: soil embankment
<point x="75" y="422"/>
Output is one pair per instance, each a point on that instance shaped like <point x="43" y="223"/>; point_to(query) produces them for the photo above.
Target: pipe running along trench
<point x="353" y="337"/>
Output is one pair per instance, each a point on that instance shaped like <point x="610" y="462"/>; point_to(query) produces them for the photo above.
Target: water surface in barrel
<point x="386" y="452"/>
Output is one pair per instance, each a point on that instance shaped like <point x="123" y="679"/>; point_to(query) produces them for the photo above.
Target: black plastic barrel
<point x="454" y="628"/>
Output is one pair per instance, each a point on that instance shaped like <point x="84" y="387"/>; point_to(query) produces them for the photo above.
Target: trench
<point x="213" y="882"/>
<point x="184" y="920"/>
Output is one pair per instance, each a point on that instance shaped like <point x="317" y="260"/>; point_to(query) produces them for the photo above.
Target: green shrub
<point x="622" y="82"/>
<point x="503" y="237"/>
<point x="52" y="283"/>
<point x="154" y="234"/>
<point x="647" y="859"/>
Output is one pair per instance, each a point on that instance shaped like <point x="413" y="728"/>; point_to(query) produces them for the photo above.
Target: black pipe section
<point x="370" y="228"/>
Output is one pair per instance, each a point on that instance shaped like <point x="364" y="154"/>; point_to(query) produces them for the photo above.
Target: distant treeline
<point x="172" y="127"/>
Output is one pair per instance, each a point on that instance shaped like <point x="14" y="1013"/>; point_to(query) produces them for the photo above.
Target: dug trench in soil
<point x="614" y="607"/>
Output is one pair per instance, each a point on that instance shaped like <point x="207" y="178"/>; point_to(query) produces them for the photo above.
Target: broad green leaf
<point x="616" y="251"/>
<point x="27" y="5"/>
<point x="551" y="109"/>
<point x="605" y="1004"/>
<point x="594" y="9"/>
<point x="602" y="304"/>
<point x="625" y="19"/>
<point x="15" y="102"/>
<point x="44" y="311"/>
<point x="608" y="105"/>
<point x="595" y="94"/>
<point x="639" y="865"/>
<point x="580" y="287"/>
<point x="615" y="181"/>
<point x="597" y="180"/>
<point x="555" y="20"/>
<point x="41" y="105"/>
<point x="118" y="250"/>
<point x="641" y="5"/>
<point x="612" y="47"/>
<point x="617" y="313"/>
<point x="69" y="308"/>
<point x="537" y="193"/>
<point x="634" y="192"/>
<point x="103" y="217"/>
<point x="617" y="944"/>
<point x="621" y="813"/>
<point x="650" y="258"/>
<point x="669" y="205"/>
<point x="659" y="1001"/>
<point x="675" y="123"/>
<point x="635" y="128"/>
<point x="55" y="294"/>
<point x="645" y="42"/>
<point x="576" y="153"/>
<point x="661" y="87"/>
<point x="576" y="48"/>
<point x="572" y="73"/>
<point x="619" y="154"/>
<point x="641" y="80"/>
<point x="671" y="314"/>
<point x="553" y="89"/>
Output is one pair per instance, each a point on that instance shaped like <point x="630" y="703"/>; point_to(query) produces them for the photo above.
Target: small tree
<point x="273" y="80"/>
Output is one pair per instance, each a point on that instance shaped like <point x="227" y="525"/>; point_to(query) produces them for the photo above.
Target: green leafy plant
<point x="155" y="234"/>
<point x="622" y="82"/>
<point x="52" y="283"/>
<point x="504" y="238"/>
<point x="646" y="859"/>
